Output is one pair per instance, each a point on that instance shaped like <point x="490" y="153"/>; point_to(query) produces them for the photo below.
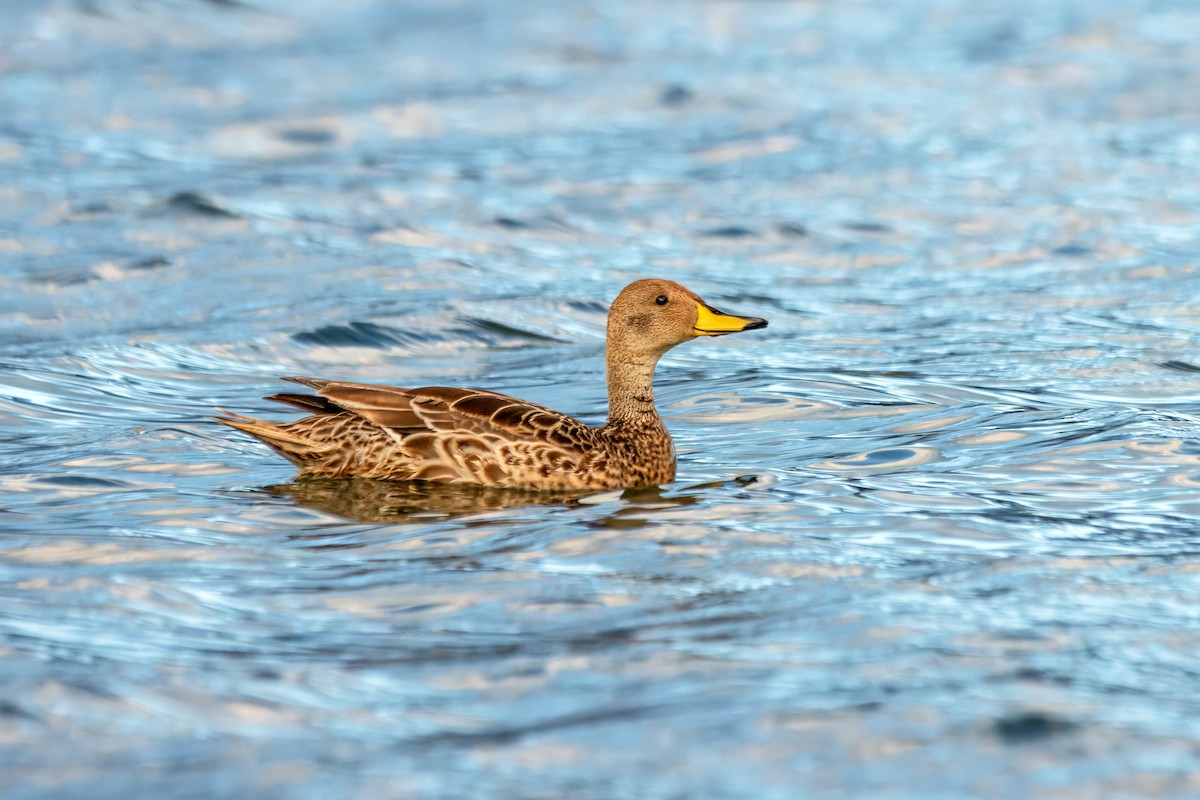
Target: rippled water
<point x="934" y="531"/>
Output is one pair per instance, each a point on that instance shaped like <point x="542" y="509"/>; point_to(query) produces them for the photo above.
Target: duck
<point x="448" y="435"/>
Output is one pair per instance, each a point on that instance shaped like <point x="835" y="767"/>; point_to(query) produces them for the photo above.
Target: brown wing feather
<point x="442" y="409"/>
<point x="386" y="407"/>
<point x="433" y="433"/>
<point x="308" y="402"/>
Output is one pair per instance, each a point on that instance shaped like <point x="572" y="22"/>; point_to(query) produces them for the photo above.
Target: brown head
<point x="651" y="316"/>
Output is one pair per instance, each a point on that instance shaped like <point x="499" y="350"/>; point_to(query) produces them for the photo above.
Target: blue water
<point x="934" y="532"/>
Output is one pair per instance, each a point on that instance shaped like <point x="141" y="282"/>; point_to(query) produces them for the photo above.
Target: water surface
<point x="934" y="530"/>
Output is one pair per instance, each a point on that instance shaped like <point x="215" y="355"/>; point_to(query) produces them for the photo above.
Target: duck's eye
<point x="661" y="300"/>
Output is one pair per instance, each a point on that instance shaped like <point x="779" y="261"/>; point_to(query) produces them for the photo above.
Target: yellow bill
<point x="710" y="322"/>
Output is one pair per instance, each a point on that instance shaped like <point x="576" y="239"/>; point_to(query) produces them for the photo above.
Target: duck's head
<point x="651" y="316"/>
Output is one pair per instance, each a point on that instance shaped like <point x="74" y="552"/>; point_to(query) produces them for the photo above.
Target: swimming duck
<point x="479" y="437"/>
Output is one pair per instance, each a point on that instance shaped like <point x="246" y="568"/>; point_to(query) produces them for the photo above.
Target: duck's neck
<point x="631" y="390"/>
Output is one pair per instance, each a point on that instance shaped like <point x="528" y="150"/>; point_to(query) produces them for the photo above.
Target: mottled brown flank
<point x="448" y="435"/>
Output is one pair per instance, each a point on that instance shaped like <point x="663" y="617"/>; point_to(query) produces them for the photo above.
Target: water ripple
<point x="943" y="511"/>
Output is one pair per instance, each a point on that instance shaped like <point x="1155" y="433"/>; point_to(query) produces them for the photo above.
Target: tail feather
<point x="291" y="444"/>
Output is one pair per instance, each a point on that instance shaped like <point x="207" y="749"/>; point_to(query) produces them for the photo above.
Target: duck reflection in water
<point x="365" y="500"/>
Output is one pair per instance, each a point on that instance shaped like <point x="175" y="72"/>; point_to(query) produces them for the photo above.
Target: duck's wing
<point x="433" y="433"/>
<point x="441" y="409"/>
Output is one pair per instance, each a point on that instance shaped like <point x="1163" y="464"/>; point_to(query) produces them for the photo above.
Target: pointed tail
<point x="290" y="444"/>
